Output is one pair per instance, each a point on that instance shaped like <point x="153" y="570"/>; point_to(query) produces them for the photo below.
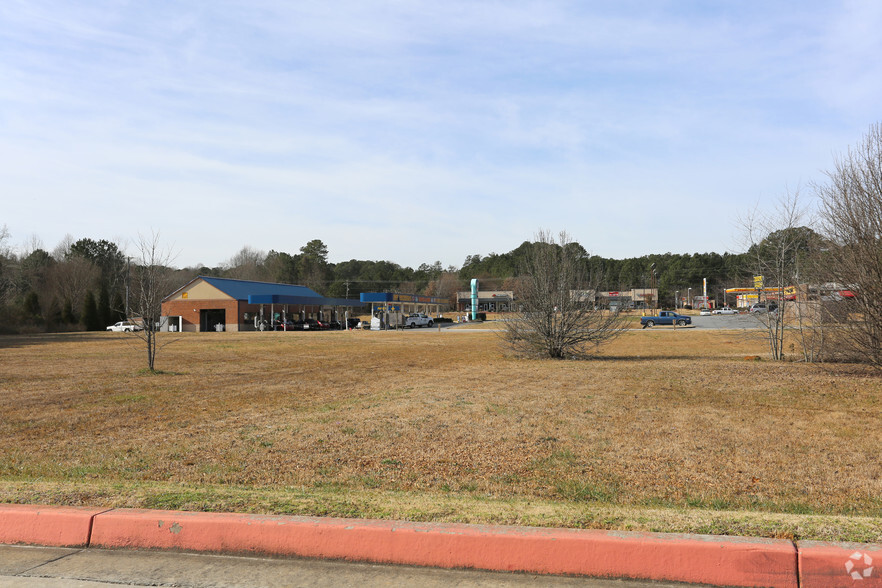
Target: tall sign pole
<point x="474" y="299"/>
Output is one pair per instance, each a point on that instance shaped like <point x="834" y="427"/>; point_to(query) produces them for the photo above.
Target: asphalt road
<point x="728" y="321"/>
<point x="717" y="321"/>
<point x="53" y="567"/>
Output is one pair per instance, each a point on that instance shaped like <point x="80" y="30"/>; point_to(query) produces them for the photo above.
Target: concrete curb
<point x="685" y="558"/>
<point x="55" y="526"/>
<point x="831" y="565"/>
<point x="707" y="559"/>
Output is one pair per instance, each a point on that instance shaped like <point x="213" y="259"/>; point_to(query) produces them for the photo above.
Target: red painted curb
<point x="840" y="564"/>
<point x="58" y="526"/>
<point x="673" y="557"/>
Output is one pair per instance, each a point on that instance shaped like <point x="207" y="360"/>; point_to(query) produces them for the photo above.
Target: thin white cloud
<point x="337" y="120"/>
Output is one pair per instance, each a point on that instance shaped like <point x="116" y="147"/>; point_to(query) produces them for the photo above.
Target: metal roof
<point x="272" y="293"/>
<point x="398" y="297"/>
<point x="242" y="289"/>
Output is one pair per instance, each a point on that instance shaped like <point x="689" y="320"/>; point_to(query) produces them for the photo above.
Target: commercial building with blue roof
<point x="223" y="304"/>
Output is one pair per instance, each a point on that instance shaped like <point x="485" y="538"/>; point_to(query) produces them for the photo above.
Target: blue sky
<point x="421" y="131"/>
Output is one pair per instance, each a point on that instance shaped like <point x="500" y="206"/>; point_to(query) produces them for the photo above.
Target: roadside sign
<point x="757" y="282"/>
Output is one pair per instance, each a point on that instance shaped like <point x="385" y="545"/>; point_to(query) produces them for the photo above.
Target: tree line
<point x="818" y="273"/>
<point x="84" y="284"/>
<point x="669" y="272"/>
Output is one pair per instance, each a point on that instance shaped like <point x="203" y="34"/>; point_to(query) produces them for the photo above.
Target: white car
<point x="725" y="310"/>
<point x="125" y="327"/>
<point x="418" y="319"/>
<point x="704" y="312"/>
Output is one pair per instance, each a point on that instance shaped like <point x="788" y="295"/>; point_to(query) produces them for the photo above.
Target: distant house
<point x="222" y="304"/>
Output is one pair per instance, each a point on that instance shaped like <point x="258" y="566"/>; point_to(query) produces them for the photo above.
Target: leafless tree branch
<point x="557" y="317"/>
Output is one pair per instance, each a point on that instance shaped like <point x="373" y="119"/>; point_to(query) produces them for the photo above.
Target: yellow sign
<point x="758" y="282"/>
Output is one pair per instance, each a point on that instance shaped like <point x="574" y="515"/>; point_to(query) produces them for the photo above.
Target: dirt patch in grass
<point x="444" y="426"/>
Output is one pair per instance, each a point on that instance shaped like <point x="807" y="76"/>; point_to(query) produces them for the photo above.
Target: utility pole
<point x="128" y="263"/>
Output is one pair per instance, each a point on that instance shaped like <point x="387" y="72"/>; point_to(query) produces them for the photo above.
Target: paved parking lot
<point x="733" y="321"/>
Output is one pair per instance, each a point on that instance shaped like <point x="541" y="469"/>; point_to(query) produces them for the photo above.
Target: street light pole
<point x="689" y="297"/>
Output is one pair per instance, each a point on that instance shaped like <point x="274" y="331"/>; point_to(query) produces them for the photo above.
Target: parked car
<point x="125" y="327"/>
<point x="763" y="307"/>
<point x="418" y="319"/>
<point x="352" y="323"/>
<point x="311" y="324"/>
<point x="725" y="310"/>
<point x="666" y="317"/>
<point x="705" y="311"/>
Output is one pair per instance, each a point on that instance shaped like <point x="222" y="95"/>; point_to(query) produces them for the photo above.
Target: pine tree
<point x="90" y="319"/>
<point x="117" y="309"/>
<point x="54" y="316"/>
<point x="105" y="317"/>
<point x="31" y="307"/>
<point x="67" y="313"/>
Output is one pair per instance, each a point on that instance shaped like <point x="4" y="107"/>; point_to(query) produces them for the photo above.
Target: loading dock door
<point x="210" y="317"/>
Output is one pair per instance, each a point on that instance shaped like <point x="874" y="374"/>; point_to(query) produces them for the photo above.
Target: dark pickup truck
<point x="666" y="317"/>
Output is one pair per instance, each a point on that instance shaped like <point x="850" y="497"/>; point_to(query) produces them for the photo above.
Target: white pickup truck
<point x="125" y="327"/>
<point x="418" y="319"/>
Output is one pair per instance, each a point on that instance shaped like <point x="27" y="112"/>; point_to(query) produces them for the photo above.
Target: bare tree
<point x="555" y="295"/>
<point x="247" y="264"/>
<point x="781" y="246"/>
<point x="7" y="283"/>
<point x="445" y="286"/>
<point x="851" y="216"/>
<point x="70" y="279"/>
<point x="5" y="237"/>
<point x="152" y="280"/>
<point x="31" y="244"/>
<point x="61" y="251"/>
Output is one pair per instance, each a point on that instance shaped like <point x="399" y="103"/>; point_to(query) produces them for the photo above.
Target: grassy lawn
<point x="668" y="430"/>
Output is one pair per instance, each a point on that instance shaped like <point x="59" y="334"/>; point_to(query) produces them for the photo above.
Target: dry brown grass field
<point x="667" y="430"/>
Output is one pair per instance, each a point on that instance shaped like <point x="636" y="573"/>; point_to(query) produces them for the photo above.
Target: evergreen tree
<point x="117" y="309"/>
<point x="90" y="319"/>
<point x="31" y="307"/>
<point x="105" y="316"/>
<point x="67" y="313"/>
<point x="53" y="316"/>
